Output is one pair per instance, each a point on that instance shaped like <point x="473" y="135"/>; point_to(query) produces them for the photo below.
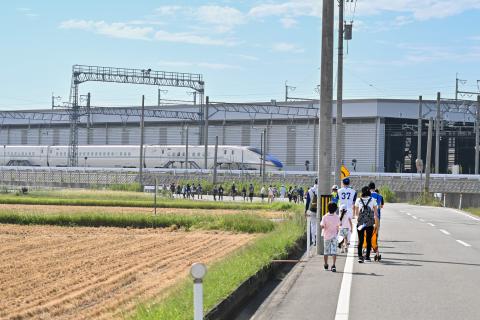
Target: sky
<point x="246" y="50"/>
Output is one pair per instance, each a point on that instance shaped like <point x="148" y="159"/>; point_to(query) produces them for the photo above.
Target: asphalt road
<point x="430" y="269"/>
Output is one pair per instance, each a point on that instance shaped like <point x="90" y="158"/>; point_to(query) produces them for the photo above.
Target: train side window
<point x="224" y="151"/>
<point x="183" y="154"/>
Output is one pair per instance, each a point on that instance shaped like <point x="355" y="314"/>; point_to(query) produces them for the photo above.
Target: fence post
<point x="198" y="271"/>
<point x="460" y="202"/>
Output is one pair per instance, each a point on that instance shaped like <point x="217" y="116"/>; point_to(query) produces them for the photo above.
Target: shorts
<point x="330" y="247"/>
<point x="344" y="232"/>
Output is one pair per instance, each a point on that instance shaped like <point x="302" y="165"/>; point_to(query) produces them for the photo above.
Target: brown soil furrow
<point x="103" y="283"/>
<point x="95" y="289"/>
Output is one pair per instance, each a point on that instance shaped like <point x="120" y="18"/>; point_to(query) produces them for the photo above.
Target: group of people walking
<point x="337" y="223"/>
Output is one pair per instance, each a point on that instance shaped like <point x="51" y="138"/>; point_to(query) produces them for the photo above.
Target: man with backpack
<point x="366" y="210"/>
<point x="311" y="211"/>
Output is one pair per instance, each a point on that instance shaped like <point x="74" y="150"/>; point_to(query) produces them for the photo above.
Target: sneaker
<point x="334" y="269"/>
<point x="325" y="266"/>
<point x="360" y="259"/>
<point x="368" y="259"/>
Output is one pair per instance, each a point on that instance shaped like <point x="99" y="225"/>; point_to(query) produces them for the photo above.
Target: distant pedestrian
<point x="179" y="190"/>
<point x="301" y="194"/>
<point x="311" y="211"/>
<point x="215" y="192"/>
<point x="251" y="191"/>
<point x="194" y="191"/>
<point x="283" y="192"/>
<point x="335" y="194"/>
<point x="220" y="193"/>
<point x="330" y="224"/>
<point x="262" y="193"/>
<point x="199" y="192"/>
<point x="289" y="194"/>
<point x="295" y="194"/>
<point x="366" y="209"/>
<point x="244" y="193"/>
<point x="172" y="190"/>
<point x="233" y="191"/>
<point x="271" y="193"/>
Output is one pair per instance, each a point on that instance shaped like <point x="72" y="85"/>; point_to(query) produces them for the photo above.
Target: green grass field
<point x="475" y="211"/>
<point x="128" y="199"/>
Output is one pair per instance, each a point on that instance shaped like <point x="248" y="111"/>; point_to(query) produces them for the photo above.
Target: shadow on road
<point x="429" y="261"/>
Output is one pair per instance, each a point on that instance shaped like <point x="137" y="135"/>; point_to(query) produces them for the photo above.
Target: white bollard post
<point x="309" y="235"/>
<point x="198" y="271"/>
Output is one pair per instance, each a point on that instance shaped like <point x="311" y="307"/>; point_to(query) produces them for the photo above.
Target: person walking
<point x="270" y="194"/>
<point x="215" y="192"/>
<point x="335" y="194"/>
<point x="347" y="195"/>
<point x="311" y="211"/>
<point x="330" y="224"/>
<point x="199" y="192"/>
<point x="262" y="193"/>
<point x="345" y="228"/>
<point x="244" y="193"/>
<point x="366" y="210"/>
<point x="283" y="191"/>
<point x="233" y="191"/>
<point x="220" y="193"/>
<point x="301" y="194"/>
<point x="251" y="191"/>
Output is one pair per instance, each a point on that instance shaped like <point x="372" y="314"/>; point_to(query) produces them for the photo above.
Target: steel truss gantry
<point x="82" y="73"/>
<point x="269" y="109"/>
<point x="65" y="114"/>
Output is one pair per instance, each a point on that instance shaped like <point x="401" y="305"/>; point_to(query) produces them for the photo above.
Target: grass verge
<point x="226" y="275"/>
<point x="235" y="222"/>
<point x="426" y="199"/>
<point x="127" y="199"/>
<point x="475" y="211"/>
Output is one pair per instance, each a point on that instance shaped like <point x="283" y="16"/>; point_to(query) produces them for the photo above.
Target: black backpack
<point x="366" y="214"/>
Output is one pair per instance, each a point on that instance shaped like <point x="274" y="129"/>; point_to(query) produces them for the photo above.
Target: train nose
<point x="277" y="163"/>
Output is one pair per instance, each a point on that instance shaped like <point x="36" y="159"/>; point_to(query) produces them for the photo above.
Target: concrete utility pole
<point x="140" y="165"/>
<point x="264" y="154"/>
<point x="437" y="136"/>
<point x="477" y="135"/>
<point x="419" y="129"/>
<point x="186" y="148"/>
<point x="325" y="127"/>
<point x="339" y="121"/>
<point x="429" y="156"/>
<point x="205" y="130"/>
<point x="215" y="155"/>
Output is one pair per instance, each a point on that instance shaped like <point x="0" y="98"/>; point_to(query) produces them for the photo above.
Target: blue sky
<point x="246" y="50"/>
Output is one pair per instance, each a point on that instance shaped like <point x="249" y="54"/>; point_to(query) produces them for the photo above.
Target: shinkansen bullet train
<point x="127" y="156"/>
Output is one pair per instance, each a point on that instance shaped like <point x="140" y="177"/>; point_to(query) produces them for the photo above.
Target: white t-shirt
<point x="371" y="204"/>
<point x="346" y="217"/>
<point x="347" y="196"/>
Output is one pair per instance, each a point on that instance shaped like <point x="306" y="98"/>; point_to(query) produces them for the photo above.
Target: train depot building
<point x="380" y="135"/>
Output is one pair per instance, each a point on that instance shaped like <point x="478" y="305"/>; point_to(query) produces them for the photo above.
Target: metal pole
<point x="261" y="153"/>
<point x="186" y="148"/>
<point x="264" y="154"/>
<point x="429" y="156"/>
<point x="339" y="120"/>
<point x="140" y="165"/>
<point x="325" y="123"/>
<point x="477" y="135"/>
<point x="437" y="136"/>
<point x="205" y="130"/>
<point x="89" y="120"/>
<point x="155" y="198"/>
<point x="215" y="156"/>
<point x="419" y="129"/>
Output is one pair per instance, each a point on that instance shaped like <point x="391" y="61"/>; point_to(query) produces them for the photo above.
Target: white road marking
<point x="464" y="243"/>
<point x="468" y="215"/>
<point x="414" y="217"/>
<point x="445" y="231"/>
<point x="408" y="213"/>
<point x="431" y="224"/>
<point x="422" y="220"/>
<point x="343" y="304"/>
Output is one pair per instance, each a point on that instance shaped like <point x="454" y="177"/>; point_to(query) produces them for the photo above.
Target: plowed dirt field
<point x="53" y="209"/>
<point x="49" y="272"/>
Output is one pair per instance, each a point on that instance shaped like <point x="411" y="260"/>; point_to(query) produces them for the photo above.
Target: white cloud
<point x="205" y="65"/>
<point x="288" y="22"/>
<point x="419" y="9"/>
<point x="223" y="18"/>
<point x="115" y="29"/>
<point x="190" y="38"/>
<point x="287" y="47"/>
<point x="168" y="10"/>
<point x="246" y="57"/>
<point x="290" y="8"/>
